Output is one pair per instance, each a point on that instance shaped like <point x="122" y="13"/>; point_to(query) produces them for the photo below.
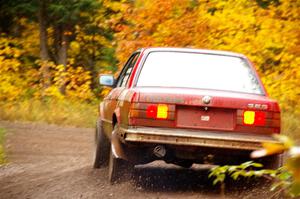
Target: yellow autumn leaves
<point x="19" y="81"/>
<point x="11" y="81"/>
<point x="266" y="31"/>
<point x="268" y="34"/>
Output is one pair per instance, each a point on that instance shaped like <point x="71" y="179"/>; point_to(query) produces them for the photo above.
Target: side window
<point x="124" y="76"/>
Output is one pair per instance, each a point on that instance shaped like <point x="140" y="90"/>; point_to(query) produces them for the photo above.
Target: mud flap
<point x="117" y="147"/>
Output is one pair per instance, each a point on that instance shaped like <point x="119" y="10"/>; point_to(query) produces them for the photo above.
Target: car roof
<point x="192" y="50"/>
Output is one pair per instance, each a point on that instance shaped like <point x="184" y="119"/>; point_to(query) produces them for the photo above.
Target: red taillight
<point x="151" y="114"/>
<point x="254" y="118"/>
<point x="260" y="118"/>
<point x="151" y="111"/>
<point x="159" y="111"/>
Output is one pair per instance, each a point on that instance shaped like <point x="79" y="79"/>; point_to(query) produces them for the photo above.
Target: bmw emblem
<point x="206" y="99"/>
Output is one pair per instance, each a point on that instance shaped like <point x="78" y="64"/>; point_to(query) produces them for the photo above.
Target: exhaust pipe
<point x="159" y="151"/>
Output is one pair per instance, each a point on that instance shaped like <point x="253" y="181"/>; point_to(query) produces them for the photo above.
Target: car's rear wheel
<point x="102" y="147"/>
<point x="273" y="162"/>
<point x="184" y="163"/>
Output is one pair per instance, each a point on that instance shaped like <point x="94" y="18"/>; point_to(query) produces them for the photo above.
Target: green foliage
<point x="282" y="177"/>
<point x="71" y="11"/>
<point x="286" y="179"/>
<point x="2" y="154"/>
<point x="247" y="169"/>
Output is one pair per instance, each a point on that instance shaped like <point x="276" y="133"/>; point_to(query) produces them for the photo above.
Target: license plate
<point x="213" y="118"/>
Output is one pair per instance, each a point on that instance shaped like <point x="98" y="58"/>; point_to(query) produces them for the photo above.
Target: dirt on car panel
<point x="48" y="161"/>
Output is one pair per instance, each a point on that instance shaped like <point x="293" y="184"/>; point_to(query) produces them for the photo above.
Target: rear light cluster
<point x="258" y="118"/>
<point x="152" y="111"/>
<point x="159" y="111"/>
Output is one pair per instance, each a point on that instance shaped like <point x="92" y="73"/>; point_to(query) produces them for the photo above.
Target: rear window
<point x="196" y="70"/>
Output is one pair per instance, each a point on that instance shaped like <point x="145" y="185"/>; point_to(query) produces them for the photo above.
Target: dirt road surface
<point x="48" y="161"/>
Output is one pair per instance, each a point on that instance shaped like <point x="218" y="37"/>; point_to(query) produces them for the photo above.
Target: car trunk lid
<point x="211" y="109"/>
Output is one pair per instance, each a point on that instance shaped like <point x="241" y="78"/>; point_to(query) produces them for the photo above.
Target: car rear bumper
<point x="184" y="137"/>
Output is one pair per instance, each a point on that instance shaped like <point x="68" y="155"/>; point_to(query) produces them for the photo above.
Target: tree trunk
<point x="44" y="53"/>
<point x="62" y="59"/>
<point x="92" y="65"/>
<point x="56" y="42"/>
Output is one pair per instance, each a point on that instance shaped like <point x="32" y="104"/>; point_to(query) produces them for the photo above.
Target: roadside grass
<point x="2" y="154"/>
<point x="52" y="111"/>
<point x="84" y="114"/>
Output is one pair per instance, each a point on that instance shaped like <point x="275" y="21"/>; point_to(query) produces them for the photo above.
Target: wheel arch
<point x="114" y="120"/>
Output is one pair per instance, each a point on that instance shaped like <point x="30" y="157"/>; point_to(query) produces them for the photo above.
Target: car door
<point x="111" y="100"/>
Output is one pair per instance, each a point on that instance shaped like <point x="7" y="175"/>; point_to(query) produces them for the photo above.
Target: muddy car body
<point x="184" y="106"/>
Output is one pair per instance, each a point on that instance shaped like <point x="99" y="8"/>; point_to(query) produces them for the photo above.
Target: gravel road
<point x="49" y="161"/>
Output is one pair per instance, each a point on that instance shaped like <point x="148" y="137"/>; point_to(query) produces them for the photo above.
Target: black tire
<point x="184" y="163"/>
<point x="102" y="147"/>
<point x="272" y="162"/>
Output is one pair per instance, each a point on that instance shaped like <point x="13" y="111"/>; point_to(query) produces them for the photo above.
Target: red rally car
<point x="184" y="106"/>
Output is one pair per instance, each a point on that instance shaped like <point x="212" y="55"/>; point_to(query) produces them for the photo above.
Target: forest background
<point x="52" y="51"/>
